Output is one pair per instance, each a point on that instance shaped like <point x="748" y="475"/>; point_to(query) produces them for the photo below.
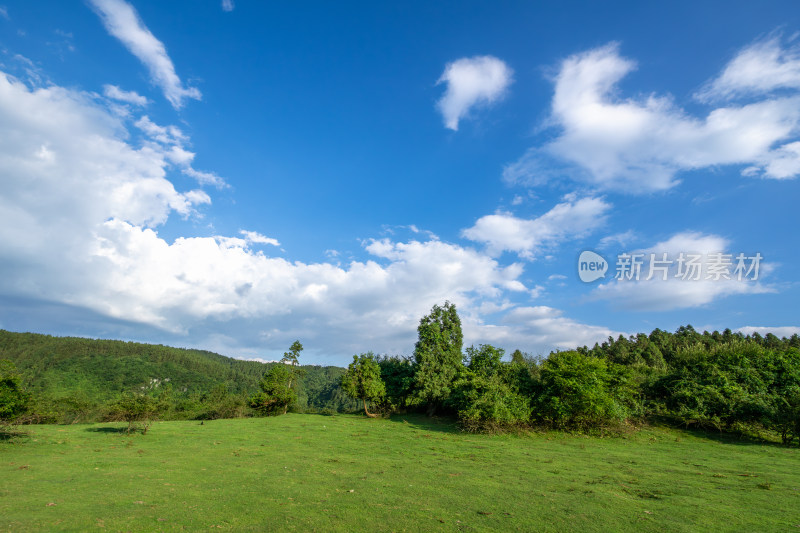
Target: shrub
<point x="139" y="410"/>
<point x="583" y="392"/>
<point x="486" y="394"/>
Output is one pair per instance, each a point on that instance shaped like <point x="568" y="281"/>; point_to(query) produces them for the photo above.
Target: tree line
<point x="724" y="381"/>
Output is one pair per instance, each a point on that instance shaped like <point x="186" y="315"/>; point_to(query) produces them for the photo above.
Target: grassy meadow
<point x="407" y="473"/>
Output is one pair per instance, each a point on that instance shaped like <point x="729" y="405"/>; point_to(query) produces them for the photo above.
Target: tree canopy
<point x="363" y="380"/>
<point x="277" y="392"/>
<point x="437" y="356"/>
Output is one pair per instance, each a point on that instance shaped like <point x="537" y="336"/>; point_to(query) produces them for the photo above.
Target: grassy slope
<point x="347" y="473"/>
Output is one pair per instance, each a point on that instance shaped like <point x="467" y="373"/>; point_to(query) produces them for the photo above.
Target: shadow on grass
<point x="736" y="439"/>
<point x="11" y="433"/>
<point x="107" y="429"/>
<point x="436" y="423"/>
<point x="717" y="435"/>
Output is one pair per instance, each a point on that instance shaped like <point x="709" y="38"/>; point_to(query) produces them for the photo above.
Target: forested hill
<point x="96" y="370"/>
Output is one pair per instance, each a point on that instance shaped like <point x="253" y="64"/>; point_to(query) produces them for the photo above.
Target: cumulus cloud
<point x="122" y="21"/>
<point x="80" y="210"/>
<point x="479" y="80"/>
<point x="227" y="5"/>
<point x="669" y="280"/>
<point x="573" y="218"/>
<point x="67" y="171"/>
<point x="639" y="145"/>
<point x="762" y="67"/>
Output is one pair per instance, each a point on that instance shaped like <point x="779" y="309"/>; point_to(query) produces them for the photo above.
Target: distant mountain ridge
<point x="101" y="369"/>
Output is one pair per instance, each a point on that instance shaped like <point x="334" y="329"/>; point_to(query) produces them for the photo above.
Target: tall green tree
<point x="293" y="355"/>
<point x="397" y="373"/>
<point x="517" y="357"/>
<point x="363" y="380"/>
<point x="277" y="393"/>
<point x="13" y="398"/>
<point x="437" y="356"/>
<point x="291" y="358"/>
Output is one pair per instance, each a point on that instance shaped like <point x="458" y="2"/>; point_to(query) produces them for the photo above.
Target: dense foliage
<point x="489" y="393"/>
<point x="79" y="380"/>
<point x="437" y="356"/>
<point x="13" y="397"/>
<point x="363" y="380"/>
<point x="725" y="381"/>
<point x="579" y="391"/>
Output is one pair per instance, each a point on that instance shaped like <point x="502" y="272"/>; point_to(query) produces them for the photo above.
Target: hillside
<point x="95" y="371"/>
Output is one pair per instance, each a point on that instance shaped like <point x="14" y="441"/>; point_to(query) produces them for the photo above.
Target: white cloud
<point x="205" y="178"/>
<point x="760" y="68"/>
<point x="66" y="172"/>
<point x="4" y="12"/>
<point x="85" y="191"/>
<point x="640" y="145"/>
<point x="80" y="207"/>
<point x="471" y="81"/>
<point x="621" y="239"/>
<point x="129" y="97"/>
<point x="778" y="331"/>
<point x="123" y="22"/>
<point x="171" y="143"/>
<point x="227" y="5"/>
<point x="162" y="134"/>
<point x="674" y="292"/>
<point x="526" y="237"/>
<point x="541" y="329"/>
<point x="257" y="238"/>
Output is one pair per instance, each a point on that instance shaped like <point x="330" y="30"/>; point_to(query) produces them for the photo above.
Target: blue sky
<point x="237" y="175"/>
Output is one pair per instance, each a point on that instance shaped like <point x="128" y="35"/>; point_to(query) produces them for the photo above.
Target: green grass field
<point x="349" y="473"/>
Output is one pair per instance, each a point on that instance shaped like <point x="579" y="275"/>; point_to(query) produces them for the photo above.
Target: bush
<point x="487" y="403"/>
<point x="486" y="394"/>
<point x="583" y="392"/>
<point x="139" y="410"/>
